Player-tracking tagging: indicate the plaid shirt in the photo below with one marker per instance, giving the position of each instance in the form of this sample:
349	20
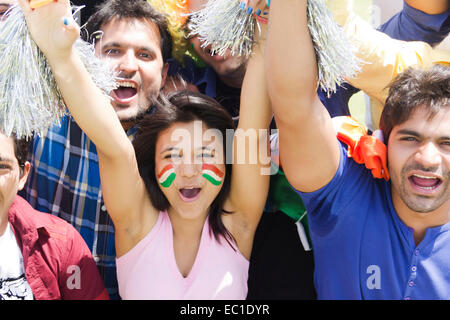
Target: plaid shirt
65	181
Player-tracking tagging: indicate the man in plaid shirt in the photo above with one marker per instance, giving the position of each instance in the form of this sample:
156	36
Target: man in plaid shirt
65	179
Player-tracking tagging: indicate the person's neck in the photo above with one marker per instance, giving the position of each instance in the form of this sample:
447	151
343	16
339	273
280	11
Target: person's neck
418	221
186	228
429	6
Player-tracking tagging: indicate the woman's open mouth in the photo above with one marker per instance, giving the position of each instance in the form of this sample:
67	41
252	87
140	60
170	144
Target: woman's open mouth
189	194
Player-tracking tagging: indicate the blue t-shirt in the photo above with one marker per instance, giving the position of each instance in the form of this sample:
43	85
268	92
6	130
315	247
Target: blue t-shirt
362	250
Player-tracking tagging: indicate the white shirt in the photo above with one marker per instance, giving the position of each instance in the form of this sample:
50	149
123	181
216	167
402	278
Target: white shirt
13	284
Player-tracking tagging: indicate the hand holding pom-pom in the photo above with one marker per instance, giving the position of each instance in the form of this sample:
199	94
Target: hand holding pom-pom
30	100
52	27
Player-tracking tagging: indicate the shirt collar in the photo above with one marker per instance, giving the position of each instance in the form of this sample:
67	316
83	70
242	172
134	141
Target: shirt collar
435	22
26	226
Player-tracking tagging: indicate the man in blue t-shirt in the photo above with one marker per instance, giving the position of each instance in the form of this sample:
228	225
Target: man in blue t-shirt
372	239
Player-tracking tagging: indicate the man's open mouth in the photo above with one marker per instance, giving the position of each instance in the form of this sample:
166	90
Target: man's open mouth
425	183
125	92
214	56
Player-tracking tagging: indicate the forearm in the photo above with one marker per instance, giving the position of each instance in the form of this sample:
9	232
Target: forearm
249	183
384	58
255	110
309	151
88	105
293	81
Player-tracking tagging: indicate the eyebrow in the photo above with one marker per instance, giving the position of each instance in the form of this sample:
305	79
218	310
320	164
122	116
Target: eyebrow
3	159
170	149
408	132
174	148
416	134
118	45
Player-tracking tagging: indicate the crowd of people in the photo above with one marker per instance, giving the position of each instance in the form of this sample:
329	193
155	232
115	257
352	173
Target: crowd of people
142	194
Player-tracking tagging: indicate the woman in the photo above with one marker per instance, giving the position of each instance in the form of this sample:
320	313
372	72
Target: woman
184	219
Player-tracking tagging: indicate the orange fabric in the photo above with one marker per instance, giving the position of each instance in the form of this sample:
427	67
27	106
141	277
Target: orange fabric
363	148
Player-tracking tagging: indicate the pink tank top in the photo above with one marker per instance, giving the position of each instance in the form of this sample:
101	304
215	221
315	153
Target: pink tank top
149	269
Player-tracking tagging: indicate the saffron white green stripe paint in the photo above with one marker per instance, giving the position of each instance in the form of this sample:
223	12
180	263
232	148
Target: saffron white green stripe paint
212	174
167	176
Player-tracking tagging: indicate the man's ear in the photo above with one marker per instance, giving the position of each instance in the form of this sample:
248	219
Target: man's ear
165	69
24	177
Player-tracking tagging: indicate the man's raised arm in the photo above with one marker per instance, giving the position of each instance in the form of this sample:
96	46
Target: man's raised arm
309	151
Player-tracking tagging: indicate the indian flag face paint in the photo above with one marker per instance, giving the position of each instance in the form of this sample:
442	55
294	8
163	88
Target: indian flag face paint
166	176
212	174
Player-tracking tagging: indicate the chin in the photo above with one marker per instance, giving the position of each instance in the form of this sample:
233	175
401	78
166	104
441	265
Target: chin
228	70
130	114
423	208
423	205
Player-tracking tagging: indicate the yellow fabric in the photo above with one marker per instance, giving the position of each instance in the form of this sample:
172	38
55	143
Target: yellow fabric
383	57
176	12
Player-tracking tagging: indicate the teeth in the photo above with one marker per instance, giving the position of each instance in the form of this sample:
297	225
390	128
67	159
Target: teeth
128	85
424	177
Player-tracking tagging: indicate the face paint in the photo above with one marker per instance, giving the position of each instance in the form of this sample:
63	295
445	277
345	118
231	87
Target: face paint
166	176
212	174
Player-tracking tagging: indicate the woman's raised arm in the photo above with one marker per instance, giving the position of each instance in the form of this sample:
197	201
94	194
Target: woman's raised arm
55	32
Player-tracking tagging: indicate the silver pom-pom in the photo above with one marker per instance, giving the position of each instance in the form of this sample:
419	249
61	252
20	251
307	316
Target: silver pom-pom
30	101
335	57
224	25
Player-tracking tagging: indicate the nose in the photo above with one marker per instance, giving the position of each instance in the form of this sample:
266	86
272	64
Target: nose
428	155
188	169
127	63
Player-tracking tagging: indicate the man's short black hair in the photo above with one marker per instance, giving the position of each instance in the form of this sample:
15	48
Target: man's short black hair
21	147
413	89
130	9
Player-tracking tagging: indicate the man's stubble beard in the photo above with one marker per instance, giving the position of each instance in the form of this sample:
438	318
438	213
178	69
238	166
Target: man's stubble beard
235	76
141	110
416	202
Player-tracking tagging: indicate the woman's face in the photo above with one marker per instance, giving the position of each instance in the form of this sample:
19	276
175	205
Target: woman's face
189	167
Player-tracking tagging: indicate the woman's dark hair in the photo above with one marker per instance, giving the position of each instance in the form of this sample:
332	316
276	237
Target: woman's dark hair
414	89
130	9
184	107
